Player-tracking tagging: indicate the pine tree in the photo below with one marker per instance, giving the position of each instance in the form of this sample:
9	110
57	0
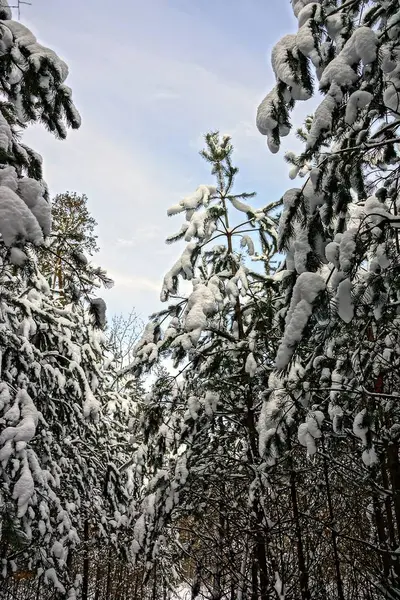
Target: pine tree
339	347
72	222
58	474
200	435
64	259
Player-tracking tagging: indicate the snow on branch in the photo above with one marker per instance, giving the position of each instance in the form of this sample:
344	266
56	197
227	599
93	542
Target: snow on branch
306	290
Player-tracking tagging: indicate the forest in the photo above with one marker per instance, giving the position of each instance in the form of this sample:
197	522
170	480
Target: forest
243	442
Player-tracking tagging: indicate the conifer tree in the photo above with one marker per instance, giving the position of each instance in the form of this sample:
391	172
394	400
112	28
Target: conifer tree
200	435
340	282
57	471
64	260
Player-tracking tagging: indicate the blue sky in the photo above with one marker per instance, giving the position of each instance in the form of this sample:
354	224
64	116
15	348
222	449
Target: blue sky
150	78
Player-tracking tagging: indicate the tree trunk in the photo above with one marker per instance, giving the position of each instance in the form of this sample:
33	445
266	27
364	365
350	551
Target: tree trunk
259	538
380	527
261	555
85	576
339	582
394	471
154	596
98	581
388	507
217	591
38	590
135	586
242	577
254	578
108	584
303	573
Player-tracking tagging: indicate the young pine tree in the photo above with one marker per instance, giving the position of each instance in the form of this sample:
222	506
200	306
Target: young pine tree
200	454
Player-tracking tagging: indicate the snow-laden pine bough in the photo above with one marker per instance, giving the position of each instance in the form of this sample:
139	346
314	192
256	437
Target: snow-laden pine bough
59	480
340	282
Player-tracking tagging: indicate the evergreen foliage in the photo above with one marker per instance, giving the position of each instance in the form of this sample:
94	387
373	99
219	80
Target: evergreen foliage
264	463
64	259
199	458
339	233
64	436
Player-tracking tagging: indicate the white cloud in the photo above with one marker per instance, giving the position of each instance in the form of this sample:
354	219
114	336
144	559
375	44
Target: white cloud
135	283
139	236
165	95
125	243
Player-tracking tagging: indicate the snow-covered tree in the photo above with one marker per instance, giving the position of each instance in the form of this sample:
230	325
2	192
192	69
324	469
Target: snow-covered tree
339	348
200	453
59	473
